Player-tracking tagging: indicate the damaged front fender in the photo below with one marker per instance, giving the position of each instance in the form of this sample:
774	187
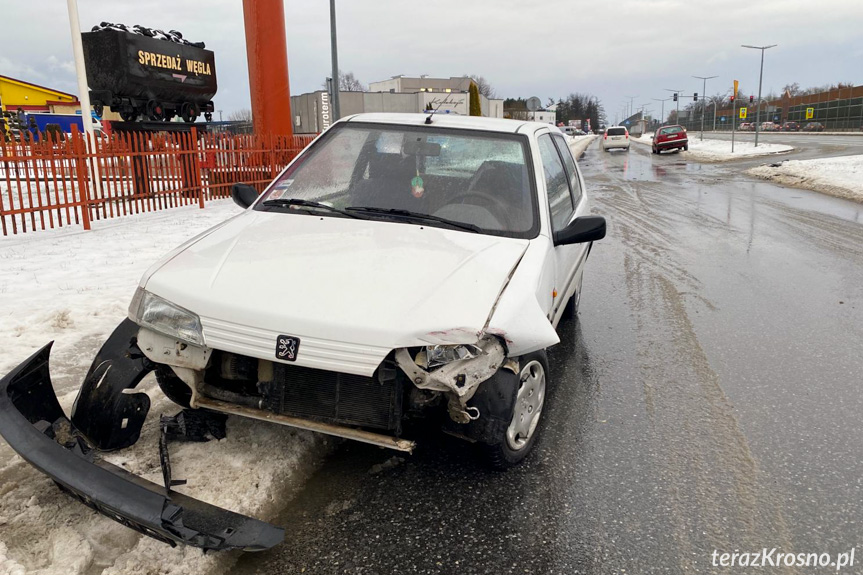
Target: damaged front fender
34	425
459	379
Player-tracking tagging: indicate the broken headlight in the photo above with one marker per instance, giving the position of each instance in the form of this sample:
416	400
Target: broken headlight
151	311
433	356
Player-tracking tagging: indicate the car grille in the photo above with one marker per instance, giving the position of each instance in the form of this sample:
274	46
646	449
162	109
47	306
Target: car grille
339	398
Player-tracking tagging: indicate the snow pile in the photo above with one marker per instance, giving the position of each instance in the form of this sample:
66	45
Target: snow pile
578	144
74	287
841	177
711	150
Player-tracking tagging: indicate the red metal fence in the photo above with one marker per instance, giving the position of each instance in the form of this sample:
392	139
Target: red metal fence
58	182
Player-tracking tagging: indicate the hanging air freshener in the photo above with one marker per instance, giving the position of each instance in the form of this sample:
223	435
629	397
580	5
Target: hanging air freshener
417	188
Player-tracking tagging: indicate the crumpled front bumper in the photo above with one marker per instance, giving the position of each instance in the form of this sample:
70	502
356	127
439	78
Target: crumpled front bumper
34	425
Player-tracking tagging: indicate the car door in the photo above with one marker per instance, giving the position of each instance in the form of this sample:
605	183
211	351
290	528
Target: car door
561	174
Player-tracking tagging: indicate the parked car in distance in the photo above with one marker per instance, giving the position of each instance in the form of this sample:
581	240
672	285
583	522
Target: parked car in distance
745	127
572	131
790	127
615	137
670	138
813	127
768	127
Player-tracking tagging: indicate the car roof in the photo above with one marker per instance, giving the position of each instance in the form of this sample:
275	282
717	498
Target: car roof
447	121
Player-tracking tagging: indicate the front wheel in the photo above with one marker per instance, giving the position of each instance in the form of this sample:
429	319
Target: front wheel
516	442
686	148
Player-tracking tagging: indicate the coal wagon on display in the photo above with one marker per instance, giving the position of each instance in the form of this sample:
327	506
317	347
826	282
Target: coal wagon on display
139	72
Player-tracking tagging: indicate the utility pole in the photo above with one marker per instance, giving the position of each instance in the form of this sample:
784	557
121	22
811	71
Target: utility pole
335	54
733	113
704	95
631	98
760	76
661	114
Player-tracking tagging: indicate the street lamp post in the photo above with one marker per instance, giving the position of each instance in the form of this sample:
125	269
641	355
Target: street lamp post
760	76
662	113
335	57
704	107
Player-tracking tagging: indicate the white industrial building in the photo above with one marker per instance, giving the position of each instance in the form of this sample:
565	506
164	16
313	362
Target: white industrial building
312	112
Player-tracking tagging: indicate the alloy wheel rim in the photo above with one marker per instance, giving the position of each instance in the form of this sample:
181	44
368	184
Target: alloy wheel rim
528	406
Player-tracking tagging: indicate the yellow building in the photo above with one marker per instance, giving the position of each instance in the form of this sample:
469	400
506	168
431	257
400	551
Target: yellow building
16	94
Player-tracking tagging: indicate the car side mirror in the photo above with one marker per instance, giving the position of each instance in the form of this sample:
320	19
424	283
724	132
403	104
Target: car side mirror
244	195
581	230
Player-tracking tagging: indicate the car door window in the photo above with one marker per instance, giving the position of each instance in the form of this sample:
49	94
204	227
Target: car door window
571	168
556	185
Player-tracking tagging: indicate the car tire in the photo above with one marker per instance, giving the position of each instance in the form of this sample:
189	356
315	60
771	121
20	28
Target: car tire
686	148
517	440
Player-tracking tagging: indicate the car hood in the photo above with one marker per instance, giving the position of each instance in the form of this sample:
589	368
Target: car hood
350	289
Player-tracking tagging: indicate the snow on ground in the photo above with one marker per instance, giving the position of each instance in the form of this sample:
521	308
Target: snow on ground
711	150
841	177
74	287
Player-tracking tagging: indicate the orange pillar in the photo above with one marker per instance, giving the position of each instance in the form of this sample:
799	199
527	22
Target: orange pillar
267	51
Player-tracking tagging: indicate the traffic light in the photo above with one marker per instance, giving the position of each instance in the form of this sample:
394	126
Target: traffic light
675	96
751	99
695	97
732	99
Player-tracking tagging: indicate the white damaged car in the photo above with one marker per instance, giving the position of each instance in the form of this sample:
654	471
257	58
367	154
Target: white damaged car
401	265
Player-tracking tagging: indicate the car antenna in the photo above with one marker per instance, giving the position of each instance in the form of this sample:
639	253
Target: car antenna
428	120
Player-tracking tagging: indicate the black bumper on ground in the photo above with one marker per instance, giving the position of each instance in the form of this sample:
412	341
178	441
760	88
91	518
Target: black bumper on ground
34	425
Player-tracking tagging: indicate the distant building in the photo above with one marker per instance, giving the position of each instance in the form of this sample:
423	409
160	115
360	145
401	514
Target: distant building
422	84
30	97
312	112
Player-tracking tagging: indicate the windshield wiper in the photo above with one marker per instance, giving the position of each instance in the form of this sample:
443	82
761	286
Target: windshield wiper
414	216
286	202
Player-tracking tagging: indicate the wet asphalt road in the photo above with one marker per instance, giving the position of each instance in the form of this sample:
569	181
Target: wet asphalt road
708	398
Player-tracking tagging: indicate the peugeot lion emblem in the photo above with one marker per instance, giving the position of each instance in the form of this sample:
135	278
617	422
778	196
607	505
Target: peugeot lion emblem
287	347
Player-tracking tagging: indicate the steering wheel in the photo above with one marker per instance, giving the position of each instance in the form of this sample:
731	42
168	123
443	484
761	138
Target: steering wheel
495	206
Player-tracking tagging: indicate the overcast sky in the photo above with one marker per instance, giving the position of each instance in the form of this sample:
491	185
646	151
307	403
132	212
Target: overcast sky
611	49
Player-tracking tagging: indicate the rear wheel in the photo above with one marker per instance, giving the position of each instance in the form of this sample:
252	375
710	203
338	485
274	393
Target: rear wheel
686	148
155	111
128	114
517	441
189	112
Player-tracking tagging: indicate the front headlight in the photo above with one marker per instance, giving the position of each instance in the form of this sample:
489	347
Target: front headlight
433	356
151	311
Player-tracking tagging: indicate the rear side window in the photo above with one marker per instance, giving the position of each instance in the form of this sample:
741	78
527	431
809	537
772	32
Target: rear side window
616	131
556	184
671	130
571	170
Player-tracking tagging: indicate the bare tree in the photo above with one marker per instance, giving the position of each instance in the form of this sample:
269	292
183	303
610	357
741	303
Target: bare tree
484	86
348	83
243	115
792	89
